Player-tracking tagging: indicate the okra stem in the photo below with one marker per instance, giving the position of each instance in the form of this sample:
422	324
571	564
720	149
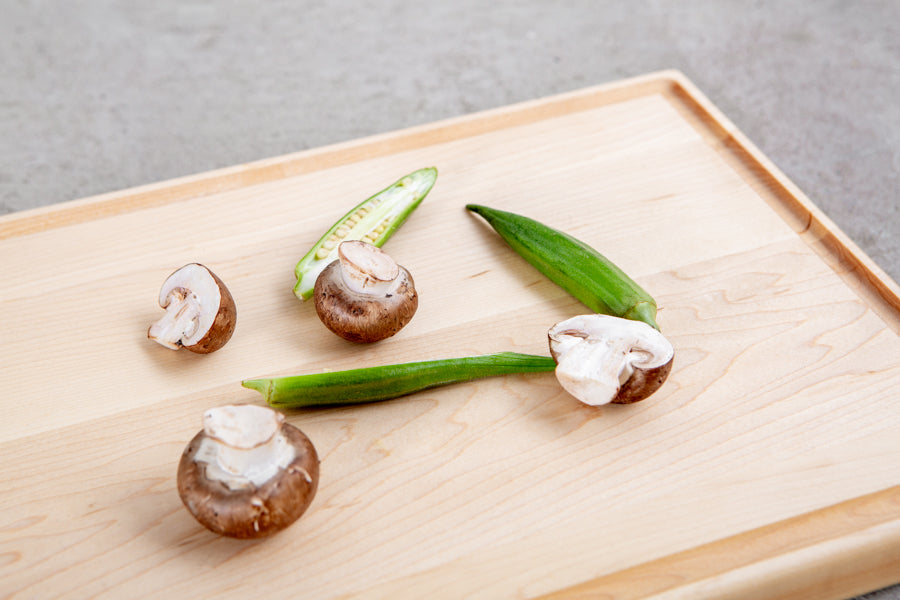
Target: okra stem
372	384
573	265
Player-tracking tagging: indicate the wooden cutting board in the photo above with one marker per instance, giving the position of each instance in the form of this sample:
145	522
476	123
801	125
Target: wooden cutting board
765	468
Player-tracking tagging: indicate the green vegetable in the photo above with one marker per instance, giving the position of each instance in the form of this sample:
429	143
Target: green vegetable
373	220
573	265
372	384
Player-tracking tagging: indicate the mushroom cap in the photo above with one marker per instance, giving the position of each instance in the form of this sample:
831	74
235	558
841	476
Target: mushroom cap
365	296
254	505
602	359
200	311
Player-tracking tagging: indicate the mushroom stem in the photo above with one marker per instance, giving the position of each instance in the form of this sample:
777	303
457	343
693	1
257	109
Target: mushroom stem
180	321
594	373
366	269
244	446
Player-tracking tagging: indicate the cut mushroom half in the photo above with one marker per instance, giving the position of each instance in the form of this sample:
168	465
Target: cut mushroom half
602	359
200	312
365	296
247	473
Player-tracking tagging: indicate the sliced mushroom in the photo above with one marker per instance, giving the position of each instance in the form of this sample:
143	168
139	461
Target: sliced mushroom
365	296
200	312
602	359
247	473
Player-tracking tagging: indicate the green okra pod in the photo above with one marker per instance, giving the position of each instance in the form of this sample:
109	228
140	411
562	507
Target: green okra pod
373	220
372	384
573	265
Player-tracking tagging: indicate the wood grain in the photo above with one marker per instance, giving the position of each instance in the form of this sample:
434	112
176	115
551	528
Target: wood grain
774	441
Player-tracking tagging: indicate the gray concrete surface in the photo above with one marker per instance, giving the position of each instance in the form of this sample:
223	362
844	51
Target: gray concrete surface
102	95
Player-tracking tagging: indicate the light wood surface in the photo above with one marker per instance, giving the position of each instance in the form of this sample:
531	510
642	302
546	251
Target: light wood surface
766	465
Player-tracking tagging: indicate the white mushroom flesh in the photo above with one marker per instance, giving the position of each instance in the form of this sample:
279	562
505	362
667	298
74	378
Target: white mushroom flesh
244	445
191	298
597	354
366	269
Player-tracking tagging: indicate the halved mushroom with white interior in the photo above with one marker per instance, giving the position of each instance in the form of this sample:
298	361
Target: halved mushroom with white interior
365	296
200	312
602	359
247	473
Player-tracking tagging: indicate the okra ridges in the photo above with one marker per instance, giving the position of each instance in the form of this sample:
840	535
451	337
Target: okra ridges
573	265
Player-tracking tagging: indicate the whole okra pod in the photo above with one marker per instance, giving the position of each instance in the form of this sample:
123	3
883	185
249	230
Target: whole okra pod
372	384
573	265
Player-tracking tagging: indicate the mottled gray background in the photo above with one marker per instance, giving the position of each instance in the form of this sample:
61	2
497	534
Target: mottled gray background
97	96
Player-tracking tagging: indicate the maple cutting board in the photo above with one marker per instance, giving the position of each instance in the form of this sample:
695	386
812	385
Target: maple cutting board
766	467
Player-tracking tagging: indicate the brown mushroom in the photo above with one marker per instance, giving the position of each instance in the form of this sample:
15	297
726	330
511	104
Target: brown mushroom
247	473
200	312
365	296
602	359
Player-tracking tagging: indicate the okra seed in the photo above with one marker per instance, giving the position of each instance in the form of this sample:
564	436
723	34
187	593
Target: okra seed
328	244
321	253
342	231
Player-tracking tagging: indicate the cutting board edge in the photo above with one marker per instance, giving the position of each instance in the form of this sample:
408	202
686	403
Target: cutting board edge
816	229
332	155
811	224
856	541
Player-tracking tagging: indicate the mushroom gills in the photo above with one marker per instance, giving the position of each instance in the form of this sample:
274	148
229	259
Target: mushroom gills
200	312
602	359
181	321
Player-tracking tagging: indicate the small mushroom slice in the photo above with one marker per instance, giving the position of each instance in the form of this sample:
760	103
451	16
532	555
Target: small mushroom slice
365	296
247	473
602	359
200	312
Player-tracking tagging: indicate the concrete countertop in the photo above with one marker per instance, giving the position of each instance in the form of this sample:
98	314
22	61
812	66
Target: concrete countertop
103	95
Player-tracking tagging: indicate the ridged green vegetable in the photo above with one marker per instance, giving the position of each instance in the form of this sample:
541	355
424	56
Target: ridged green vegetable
372	384
573	265
373	220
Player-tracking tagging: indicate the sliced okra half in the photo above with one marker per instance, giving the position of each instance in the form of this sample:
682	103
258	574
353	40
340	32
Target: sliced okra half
373	220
